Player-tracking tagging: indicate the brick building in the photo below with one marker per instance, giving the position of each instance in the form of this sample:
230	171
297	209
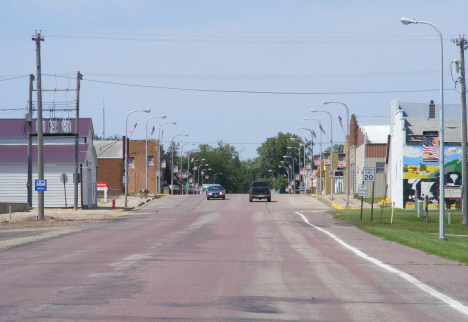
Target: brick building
111	163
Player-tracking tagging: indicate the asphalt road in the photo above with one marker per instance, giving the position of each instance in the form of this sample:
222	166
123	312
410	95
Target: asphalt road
189	259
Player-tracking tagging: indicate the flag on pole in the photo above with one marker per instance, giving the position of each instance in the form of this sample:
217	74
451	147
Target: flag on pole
284	174
341	120
273	179
195	168
177	146
202	172
299	149
306	140
207	177
152	131
133	128
313	133
290	167
321	128
192	160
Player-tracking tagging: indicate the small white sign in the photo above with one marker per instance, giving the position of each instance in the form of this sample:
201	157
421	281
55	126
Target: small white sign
369	174
362	190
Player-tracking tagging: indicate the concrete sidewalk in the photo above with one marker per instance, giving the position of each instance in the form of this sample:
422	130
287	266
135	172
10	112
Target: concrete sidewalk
104	210
339	201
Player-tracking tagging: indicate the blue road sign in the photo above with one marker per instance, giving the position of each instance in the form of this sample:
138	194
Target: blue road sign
40	185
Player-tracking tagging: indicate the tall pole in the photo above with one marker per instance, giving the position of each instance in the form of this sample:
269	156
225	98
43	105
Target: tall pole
158	188
146	145
30	150
40	137
77	141
407	21
347	150
462	42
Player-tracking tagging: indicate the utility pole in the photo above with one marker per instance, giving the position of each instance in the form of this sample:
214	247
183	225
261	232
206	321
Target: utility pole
77	138
461	42
40	138
103	121
30	151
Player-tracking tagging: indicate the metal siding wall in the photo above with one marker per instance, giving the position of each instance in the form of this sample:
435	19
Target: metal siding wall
13	179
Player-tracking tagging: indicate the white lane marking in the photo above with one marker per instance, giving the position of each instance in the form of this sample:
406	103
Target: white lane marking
446	299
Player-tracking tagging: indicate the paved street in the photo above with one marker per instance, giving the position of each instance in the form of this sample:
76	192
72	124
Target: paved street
184	258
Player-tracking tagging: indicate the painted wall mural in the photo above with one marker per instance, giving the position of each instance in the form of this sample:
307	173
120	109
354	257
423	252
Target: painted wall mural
422	176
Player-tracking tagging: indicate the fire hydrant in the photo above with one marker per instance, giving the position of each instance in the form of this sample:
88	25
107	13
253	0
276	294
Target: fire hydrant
113	204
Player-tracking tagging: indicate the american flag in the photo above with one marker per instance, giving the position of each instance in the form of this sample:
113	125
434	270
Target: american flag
313	133
192	160
202	172
195	168
273	179
284	174
341	120
290	167
133	128
306	140
177	146
321	128
152	131
207	177
162	134
430	147
299	149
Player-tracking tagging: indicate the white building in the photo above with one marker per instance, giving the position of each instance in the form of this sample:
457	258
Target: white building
59	158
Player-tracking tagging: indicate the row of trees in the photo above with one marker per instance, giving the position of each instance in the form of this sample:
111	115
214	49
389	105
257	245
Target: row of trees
237	175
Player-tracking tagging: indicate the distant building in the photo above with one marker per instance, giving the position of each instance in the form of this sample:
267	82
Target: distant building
368	148
413	167
110	155
59	158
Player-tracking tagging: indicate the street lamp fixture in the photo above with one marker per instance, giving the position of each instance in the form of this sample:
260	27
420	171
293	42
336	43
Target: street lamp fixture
407	21
126	150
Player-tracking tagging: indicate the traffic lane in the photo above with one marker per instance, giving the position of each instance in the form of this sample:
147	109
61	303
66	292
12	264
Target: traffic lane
286	275
446	276
35	275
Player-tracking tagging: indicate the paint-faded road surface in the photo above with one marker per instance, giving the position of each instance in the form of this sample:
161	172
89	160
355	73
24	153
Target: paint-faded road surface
189	259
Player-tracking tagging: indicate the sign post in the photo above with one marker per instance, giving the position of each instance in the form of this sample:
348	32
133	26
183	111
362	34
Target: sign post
369	176
64	179
362	192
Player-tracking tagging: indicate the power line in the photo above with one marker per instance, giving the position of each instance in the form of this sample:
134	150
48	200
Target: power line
259	92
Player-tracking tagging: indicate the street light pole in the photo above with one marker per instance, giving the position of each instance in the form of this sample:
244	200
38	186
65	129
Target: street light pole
311	153
158	188
331	149
172	161
320	157
347	150
181	147
126	150
407	21
146	133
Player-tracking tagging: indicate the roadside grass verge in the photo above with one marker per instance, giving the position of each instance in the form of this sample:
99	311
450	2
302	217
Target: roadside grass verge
407	229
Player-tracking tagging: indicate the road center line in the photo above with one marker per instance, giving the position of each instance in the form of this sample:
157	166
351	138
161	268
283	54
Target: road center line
446	299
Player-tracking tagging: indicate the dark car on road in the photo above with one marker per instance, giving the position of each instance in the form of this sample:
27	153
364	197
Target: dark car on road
215	191
259	190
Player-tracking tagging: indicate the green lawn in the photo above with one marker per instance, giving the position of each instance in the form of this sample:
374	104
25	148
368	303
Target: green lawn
409	230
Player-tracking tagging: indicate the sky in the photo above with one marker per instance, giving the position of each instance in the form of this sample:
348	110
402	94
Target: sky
237	71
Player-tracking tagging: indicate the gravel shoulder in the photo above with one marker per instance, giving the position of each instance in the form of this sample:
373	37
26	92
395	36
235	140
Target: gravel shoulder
24	228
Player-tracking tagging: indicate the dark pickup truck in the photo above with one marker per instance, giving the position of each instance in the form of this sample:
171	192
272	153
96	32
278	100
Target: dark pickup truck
259	190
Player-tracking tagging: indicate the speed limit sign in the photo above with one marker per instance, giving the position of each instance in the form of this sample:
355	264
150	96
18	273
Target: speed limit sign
369	174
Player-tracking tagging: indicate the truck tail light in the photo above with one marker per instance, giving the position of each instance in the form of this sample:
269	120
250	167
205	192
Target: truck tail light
269	191
251	191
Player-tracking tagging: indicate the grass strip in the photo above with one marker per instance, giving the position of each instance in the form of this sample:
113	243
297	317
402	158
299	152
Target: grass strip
407	229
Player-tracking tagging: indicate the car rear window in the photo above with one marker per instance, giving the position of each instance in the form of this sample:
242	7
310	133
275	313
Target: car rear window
260	184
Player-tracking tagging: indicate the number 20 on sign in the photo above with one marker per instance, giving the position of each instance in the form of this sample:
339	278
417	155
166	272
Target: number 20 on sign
369	174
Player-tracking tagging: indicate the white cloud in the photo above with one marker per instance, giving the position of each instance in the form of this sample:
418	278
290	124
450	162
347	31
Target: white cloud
452	151
411	152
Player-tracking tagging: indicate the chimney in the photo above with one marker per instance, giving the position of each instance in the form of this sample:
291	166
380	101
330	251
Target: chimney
432	110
